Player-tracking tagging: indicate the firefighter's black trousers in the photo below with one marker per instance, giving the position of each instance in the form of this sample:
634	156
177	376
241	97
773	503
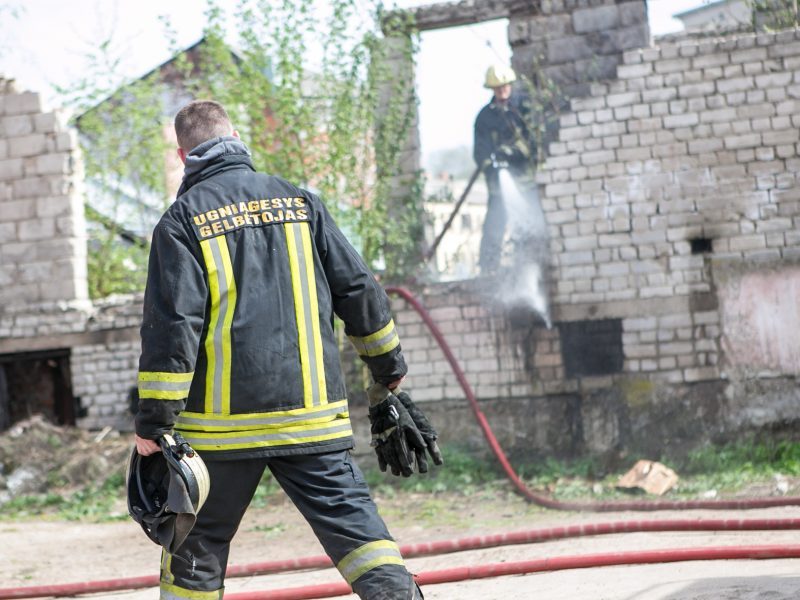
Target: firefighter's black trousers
330	492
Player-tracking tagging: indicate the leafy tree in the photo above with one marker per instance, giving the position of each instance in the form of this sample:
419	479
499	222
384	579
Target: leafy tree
123	145
774	14
303	84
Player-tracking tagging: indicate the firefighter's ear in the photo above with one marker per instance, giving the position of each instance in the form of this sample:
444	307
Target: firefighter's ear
182	154
236	134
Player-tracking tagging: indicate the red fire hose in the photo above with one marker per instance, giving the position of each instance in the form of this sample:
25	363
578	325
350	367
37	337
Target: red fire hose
541	500
422	549
524	537
558	563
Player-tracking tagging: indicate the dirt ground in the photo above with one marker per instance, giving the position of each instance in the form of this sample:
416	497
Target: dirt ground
37	553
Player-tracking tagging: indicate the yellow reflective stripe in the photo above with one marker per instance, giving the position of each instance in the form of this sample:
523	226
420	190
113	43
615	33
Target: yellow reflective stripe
314	312
299	311
274	420
304	291
367	557
226	326
380	333
296	435
380	342
384	348
170	591
163	394
165	377
164	386
211	355
369	565
166	567
222	289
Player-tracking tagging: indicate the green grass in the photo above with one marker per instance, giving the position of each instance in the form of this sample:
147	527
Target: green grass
748	456
461	472
727	469
270	530
93	504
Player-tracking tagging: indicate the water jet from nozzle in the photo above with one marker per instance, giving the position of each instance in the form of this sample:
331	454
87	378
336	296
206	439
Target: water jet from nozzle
524	281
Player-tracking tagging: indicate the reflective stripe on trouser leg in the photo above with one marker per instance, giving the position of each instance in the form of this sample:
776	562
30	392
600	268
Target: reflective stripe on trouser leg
174	592
330	492
198	566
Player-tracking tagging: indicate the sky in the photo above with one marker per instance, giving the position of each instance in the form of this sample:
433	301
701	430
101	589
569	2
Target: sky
45	42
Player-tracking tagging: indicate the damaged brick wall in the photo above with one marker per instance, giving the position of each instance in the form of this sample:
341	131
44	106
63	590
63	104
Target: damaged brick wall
42	231
673	203
44	303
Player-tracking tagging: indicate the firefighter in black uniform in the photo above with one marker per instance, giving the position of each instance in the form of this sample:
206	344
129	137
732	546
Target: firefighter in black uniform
502	140
239	356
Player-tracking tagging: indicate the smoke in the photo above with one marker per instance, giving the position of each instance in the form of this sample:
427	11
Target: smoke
523	283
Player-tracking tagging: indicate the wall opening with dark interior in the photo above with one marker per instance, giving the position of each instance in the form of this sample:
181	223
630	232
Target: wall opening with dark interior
36	383
591	348
701	245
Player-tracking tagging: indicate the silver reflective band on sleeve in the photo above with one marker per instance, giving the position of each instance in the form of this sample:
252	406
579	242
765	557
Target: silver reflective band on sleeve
375	344
157	385
368	557
165	386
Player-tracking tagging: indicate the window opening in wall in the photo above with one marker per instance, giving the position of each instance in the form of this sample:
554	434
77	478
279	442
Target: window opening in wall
591	347
34	383
450	99
701	245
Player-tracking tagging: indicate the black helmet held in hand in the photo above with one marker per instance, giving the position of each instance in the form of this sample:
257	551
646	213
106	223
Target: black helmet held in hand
166	490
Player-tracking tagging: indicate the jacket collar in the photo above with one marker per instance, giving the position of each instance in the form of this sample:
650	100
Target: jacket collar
213	156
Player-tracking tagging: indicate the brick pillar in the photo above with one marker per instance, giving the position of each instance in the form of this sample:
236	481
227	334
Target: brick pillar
42	227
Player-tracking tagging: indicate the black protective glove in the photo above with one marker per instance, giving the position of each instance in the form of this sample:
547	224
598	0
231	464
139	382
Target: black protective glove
505	152
425	428
395	437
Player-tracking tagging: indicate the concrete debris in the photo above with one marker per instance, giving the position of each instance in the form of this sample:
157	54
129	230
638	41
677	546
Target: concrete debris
37	456
651	476
25	480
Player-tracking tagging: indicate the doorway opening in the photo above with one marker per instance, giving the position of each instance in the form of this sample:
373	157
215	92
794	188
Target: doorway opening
36	383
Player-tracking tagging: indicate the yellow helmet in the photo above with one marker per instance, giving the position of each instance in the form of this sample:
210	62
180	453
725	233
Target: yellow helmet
498	75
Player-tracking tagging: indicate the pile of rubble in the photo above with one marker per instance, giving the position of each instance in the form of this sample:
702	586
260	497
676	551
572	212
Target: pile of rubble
37	456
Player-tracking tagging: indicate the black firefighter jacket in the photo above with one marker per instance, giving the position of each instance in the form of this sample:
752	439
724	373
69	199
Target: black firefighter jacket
238	346
501	129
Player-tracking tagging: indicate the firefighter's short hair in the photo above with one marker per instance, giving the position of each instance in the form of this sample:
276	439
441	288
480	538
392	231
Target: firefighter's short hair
199	121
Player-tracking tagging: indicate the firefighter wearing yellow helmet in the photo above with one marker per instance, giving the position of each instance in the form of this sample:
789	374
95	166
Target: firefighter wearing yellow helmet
502	139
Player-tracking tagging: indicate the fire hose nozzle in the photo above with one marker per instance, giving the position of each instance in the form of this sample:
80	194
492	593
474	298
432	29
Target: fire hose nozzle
498	163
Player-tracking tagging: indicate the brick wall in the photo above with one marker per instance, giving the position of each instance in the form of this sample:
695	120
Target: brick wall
672	202
576	41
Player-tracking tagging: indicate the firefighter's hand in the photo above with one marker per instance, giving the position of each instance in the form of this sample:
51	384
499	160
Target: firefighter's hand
505	152
425	428
146	447
395	437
